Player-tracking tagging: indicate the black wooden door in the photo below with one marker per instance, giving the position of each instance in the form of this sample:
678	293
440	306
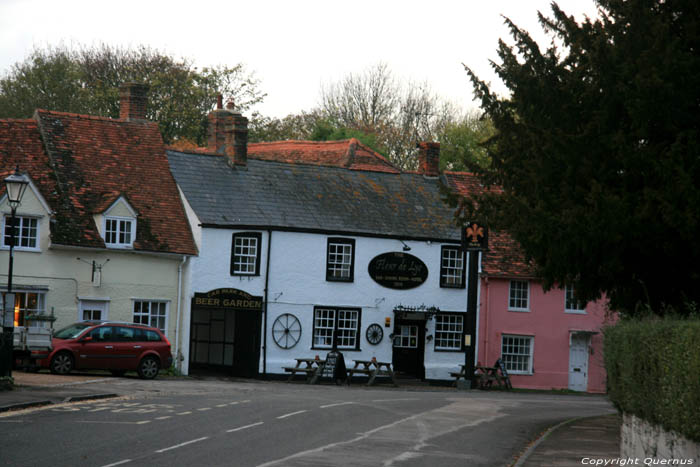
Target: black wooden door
409	348
246	357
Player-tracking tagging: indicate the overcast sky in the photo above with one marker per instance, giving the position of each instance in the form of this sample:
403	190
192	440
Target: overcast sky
293	46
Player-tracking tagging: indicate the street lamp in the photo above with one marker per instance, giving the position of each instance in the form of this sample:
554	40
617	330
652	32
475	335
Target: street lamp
15	185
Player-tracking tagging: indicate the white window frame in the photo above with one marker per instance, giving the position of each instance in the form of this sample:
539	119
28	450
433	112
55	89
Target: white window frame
41	302
508	362
452	267
449	329
149	314
237	266
579	308
512	296
18	234
328	320
93	304
340	259
119	220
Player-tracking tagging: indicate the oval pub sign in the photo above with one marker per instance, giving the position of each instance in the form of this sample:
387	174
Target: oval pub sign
397	270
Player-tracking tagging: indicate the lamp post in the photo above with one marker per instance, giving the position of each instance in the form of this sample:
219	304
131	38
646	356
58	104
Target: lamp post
15	186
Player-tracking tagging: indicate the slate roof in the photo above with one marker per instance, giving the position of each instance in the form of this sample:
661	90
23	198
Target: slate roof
504	258
307	197
81	164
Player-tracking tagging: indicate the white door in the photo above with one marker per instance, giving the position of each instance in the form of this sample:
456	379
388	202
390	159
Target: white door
578	362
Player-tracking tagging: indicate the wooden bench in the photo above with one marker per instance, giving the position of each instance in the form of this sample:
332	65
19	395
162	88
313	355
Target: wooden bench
312	370
372	369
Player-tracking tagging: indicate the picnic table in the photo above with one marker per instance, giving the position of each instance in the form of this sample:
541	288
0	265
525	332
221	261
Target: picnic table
311	368
487	375
372	369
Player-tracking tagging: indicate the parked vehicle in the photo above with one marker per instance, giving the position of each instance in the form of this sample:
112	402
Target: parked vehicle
115	346
30	344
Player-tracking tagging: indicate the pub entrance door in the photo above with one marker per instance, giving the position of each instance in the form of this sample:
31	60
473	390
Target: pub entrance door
409	348
225	333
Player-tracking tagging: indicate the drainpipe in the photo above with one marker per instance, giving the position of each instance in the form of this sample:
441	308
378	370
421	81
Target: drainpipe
179	311
267	282
486	321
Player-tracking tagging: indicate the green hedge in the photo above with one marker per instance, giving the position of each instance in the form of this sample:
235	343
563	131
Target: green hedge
653	367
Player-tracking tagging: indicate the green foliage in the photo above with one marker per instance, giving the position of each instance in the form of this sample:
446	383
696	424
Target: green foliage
596	150
462	143
653	366
324	130
87	80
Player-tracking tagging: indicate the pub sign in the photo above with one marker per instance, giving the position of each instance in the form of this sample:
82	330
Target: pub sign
397	270
227	298
474	237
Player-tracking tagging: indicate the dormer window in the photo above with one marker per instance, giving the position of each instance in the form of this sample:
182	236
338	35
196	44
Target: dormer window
120	232
119	224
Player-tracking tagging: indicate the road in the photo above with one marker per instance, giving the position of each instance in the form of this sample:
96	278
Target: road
213	422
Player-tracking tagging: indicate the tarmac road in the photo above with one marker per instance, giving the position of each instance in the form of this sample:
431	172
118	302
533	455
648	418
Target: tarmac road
211	422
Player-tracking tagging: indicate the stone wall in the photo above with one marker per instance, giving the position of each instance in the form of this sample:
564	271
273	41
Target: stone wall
642	440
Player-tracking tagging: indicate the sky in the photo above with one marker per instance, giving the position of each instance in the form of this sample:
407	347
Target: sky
294	47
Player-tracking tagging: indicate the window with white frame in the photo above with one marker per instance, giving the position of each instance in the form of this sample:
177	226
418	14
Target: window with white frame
245	254
516	353
452	267
120	232
571	304
27	304
518	297
448	332
340	259
342	322
151	313
26	230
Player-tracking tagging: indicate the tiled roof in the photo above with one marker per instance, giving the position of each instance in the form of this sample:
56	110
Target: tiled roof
291	196
85	163
348	153
504	257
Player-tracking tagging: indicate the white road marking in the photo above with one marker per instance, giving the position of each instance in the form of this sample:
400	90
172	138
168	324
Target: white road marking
336	405
233	403
182	444
184	413
113	423
143	422
243	427
243	402
118	463
290	414
394	400
204	408
164	417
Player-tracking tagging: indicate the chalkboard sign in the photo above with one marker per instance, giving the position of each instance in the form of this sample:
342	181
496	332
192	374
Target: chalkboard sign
335	367
501	366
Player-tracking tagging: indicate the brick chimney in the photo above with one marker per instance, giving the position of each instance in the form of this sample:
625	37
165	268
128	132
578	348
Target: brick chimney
428	159
227	133
132	101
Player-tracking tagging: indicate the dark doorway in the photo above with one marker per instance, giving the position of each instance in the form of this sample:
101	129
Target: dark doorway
409	348
225	333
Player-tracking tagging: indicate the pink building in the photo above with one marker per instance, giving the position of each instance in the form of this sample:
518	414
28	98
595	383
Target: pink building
547	340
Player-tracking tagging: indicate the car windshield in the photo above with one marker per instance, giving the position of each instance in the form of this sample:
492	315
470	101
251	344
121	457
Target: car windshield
72	331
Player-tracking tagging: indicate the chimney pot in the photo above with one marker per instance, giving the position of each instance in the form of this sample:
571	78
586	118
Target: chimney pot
219	102
429	158
132	101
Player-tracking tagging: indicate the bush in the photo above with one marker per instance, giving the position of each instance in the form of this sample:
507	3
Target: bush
653	367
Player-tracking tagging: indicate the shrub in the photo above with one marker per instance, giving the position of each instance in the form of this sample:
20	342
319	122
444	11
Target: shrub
653	367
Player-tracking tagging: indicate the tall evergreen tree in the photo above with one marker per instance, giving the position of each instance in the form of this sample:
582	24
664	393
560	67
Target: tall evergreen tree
597	151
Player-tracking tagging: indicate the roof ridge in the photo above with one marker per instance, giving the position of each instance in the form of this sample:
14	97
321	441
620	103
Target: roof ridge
91	117
18	120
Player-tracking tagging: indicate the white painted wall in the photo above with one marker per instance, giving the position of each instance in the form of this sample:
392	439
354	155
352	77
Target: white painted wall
128	275
297	283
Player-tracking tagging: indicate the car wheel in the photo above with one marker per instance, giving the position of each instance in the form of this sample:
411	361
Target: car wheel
148	368
117	372
61	363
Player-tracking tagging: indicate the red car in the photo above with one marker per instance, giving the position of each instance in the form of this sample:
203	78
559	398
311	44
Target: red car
105	345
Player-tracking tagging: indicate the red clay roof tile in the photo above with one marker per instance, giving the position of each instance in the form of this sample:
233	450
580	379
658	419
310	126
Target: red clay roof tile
85	163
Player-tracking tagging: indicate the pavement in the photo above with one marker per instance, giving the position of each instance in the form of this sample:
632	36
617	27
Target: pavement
575	442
